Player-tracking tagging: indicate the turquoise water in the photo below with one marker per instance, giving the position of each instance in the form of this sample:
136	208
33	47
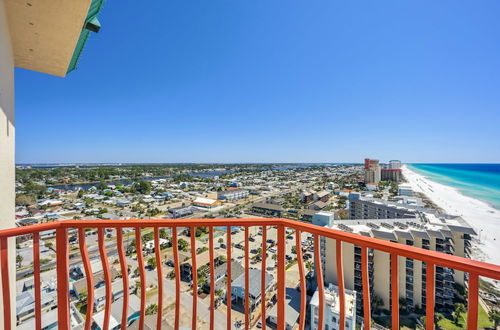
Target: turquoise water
480	181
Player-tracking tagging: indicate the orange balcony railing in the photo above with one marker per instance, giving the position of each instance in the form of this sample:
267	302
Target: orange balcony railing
431	258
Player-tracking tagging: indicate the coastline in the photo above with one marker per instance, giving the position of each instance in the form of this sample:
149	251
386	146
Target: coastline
481	216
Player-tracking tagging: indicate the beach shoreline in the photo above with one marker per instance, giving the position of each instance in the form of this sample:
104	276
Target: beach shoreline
481	216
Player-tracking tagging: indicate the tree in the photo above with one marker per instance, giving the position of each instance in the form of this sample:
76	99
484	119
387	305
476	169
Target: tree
457	312
25	200
163	233
143	187
152	263
102	185
182	244
494	316
19	260
309	265
152	309
147	237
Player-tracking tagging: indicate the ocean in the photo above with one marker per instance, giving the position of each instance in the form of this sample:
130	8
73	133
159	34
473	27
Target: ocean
480	181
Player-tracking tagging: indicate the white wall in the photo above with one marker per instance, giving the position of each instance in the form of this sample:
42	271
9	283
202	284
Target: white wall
7	165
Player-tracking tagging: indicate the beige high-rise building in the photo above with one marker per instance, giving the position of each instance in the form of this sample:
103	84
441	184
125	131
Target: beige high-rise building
372	171
429	231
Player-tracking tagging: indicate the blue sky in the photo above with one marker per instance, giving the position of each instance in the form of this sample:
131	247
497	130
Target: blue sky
273	81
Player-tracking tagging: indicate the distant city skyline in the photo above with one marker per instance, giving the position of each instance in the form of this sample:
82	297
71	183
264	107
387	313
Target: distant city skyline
272	82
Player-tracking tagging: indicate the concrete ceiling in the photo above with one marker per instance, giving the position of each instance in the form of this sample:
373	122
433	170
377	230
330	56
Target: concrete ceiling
45	32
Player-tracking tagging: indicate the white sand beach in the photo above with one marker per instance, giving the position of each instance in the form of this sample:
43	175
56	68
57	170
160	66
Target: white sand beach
482	217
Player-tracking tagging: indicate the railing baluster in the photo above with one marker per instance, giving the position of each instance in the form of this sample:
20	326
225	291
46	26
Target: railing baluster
320	282
340	280
228	271
177	272
62	278
194	275
89	277
281	277
429	297
4	255
395	291
472	303
366	288
124	270
302	278
142	276
159	272
247	281
36	277
212	275
107	277
263	277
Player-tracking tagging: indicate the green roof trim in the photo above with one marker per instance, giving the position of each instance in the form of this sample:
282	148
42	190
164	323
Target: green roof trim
94	9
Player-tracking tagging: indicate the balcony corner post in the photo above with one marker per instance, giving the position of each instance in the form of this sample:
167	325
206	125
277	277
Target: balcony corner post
62	278
281	277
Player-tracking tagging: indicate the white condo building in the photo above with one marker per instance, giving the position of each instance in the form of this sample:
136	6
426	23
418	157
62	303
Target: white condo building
332	309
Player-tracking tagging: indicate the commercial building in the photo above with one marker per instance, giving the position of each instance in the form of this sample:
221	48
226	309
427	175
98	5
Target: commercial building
206	203
268	209
232	194
332	308
428	230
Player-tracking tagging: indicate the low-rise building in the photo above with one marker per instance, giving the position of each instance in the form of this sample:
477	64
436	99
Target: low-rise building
254	295
220	274
134	308
292	310
317	206
202	259
232	194
323	196
206	203
307	197
405	190
268	209
180	212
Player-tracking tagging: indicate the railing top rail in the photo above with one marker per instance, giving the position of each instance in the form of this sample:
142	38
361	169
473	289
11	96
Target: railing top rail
438	258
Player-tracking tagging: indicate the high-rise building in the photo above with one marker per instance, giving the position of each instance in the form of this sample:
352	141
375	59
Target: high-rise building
374	208
388	174
429	231
394	164
332	309
372	171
